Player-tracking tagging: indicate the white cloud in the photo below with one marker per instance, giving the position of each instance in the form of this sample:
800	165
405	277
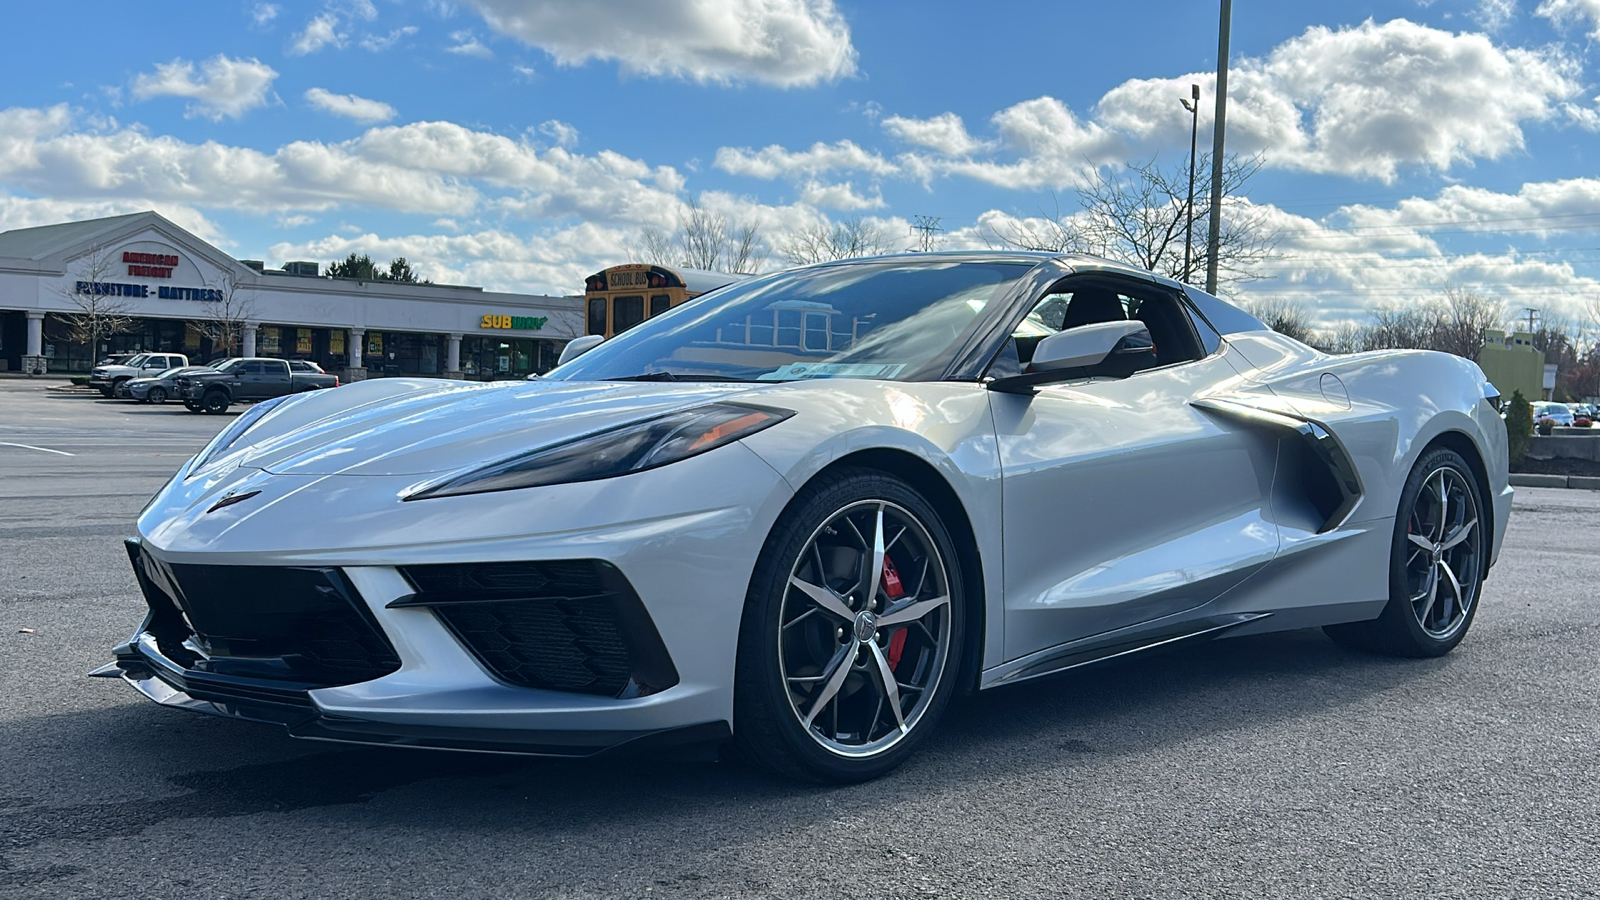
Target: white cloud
350	106
788	43
263	14
944	133
774	161
226	87
322	31
467	44
29	212
563	134
379	44
838	196
1371	101
1495	15
1564	12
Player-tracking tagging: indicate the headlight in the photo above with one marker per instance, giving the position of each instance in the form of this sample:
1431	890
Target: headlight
634	447
230	435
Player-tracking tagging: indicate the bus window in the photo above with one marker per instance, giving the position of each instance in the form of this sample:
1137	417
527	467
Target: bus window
626	312
667	287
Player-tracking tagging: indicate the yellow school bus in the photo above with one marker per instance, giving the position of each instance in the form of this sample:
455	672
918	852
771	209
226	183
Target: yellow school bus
623	296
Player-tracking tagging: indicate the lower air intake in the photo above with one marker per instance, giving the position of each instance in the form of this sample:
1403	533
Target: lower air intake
562	625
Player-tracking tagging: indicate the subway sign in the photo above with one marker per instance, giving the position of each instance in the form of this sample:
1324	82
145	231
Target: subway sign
513	323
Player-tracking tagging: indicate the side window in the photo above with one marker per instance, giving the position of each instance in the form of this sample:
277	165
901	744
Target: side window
1078	302
597	315
255	367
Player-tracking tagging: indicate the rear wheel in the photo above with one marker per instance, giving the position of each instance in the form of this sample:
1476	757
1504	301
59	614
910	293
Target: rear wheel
851	632
215	403
1438	560
156	395
191	406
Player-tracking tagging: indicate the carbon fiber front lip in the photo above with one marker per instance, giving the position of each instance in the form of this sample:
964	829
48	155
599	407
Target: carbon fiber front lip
141	665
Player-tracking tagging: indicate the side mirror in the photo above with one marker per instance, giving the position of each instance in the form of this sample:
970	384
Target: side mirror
578	347
1105	349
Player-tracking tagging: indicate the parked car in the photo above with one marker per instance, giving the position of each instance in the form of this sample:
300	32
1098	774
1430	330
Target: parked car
246	379
990	467
108	378
158	388
1547	414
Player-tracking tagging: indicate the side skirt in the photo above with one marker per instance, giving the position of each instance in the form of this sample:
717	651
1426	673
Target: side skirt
1103	647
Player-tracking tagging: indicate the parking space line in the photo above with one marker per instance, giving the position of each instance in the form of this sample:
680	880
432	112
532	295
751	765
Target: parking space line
40	449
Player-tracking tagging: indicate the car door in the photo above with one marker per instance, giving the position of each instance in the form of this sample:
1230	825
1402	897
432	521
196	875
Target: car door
1122	504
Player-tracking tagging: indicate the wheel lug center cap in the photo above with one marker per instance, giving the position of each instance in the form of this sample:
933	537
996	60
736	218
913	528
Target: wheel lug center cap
866	626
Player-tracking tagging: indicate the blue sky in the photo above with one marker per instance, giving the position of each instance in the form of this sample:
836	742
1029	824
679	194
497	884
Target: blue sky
1408	146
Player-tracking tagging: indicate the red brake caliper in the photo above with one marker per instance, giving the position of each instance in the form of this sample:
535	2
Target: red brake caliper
895	590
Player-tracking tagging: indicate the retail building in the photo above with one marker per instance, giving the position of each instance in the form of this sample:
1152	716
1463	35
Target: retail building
170	291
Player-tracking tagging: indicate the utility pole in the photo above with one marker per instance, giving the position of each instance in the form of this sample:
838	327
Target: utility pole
928	226
1194	132
1218	135
1532	312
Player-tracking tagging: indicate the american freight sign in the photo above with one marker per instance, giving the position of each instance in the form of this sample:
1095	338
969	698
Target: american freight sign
150	265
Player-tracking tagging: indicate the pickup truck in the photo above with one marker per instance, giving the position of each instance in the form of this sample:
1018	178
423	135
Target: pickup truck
248	379
108	377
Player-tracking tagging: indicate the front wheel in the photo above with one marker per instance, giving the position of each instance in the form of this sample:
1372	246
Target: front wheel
156	395
1438	560
852	631
215	403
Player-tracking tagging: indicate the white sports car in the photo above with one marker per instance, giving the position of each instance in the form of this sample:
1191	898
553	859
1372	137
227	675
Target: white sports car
804	510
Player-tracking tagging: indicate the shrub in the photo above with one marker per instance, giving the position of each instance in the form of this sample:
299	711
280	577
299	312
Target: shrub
1519	427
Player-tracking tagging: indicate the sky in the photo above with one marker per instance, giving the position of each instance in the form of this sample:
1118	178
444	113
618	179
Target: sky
1407	146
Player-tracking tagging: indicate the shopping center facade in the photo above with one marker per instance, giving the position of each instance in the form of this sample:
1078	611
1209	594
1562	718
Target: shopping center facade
170	291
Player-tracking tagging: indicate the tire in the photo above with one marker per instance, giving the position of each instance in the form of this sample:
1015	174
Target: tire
156	395
1438	559
191	406
215	403
812	687
106	392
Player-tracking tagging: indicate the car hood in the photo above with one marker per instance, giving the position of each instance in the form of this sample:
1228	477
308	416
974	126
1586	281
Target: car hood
426	427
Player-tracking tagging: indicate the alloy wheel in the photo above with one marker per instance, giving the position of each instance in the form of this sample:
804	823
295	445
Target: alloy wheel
157	395
865	628
1445	553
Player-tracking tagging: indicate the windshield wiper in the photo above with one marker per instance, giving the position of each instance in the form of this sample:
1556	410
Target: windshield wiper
668	376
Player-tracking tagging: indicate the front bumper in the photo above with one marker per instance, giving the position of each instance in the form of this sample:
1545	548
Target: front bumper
686	549
141	664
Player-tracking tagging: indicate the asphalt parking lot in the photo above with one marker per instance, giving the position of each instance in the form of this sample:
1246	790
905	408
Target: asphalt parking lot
1274	766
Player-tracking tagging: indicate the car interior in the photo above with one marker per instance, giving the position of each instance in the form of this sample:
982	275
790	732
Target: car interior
1077	302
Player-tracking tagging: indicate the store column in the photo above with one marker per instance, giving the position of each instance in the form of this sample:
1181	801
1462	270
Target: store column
33	362
250	338
358	343
452	357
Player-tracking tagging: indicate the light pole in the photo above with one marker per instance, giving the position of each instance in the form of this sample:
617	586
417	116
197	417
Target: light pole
1194	132
1219	130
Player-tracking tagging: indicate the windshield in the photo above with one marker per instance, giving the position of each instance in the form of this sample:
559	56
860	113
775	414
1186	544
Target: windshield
136	361
172	372
227	364
900	320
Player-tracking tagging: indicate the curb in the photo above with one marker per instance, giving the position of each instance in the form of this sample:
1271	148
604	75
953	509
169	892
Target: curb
1578	482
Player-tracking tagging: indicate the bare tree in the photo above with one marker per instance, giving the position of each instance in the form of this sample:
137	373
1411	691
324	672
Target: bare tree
1139	215
848	239
704	239
1461	318
1285	316
223	317
102	311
